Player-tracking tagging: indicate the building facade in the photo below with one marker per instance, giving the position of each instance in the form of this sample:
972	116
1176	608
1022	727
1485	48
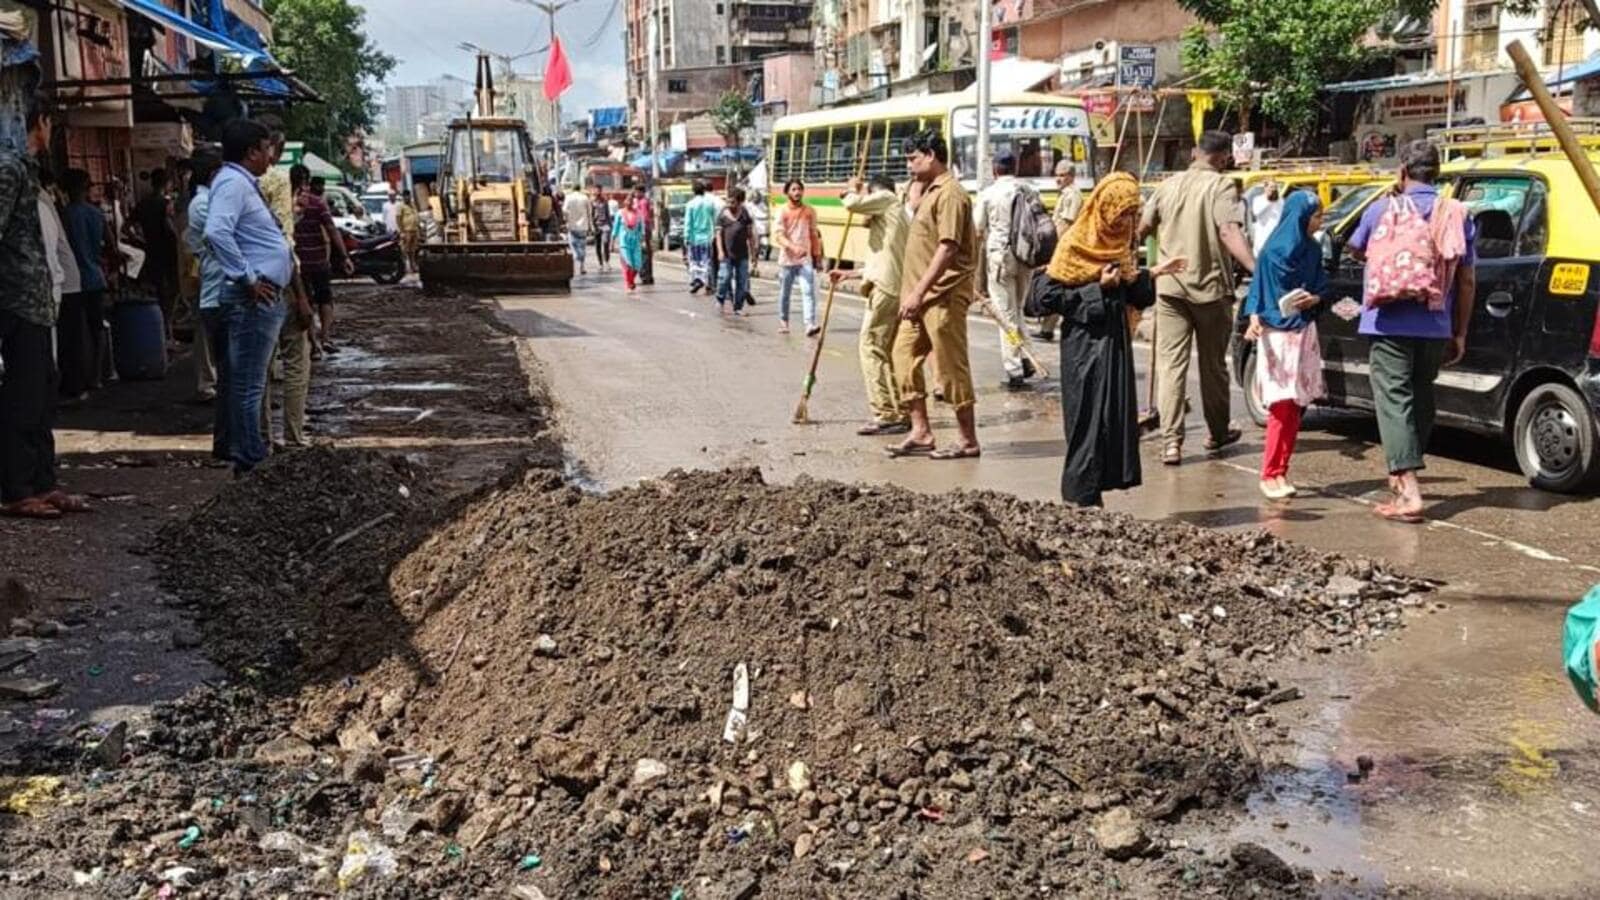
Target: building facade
410	110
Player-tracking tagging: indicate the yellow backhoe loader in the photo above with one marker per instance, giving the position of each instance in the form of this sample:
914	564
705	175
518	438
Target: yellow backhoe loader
490	200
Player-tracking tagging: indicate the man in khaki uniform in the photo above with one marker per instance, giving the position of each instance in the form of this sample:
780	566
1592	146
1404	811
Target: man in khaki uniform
1007	277
888	219
1068	204
1197	215
941	262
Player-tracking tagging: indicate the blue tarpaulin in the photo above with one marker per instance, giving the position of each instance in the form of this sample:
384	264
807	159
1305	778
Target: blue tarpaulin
608	117
668	160
207	37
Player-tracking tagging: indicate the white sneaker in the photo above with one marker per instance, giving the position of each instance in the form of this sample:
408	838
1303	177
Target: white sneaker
1273	489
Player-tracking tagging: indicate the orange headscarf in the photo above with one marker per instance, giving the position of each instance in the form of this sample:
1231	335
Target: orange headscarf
1100	235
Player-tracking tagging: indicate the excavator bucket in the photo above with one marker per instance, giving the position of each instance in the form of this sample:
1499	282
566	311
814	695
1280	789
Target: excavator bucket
542	267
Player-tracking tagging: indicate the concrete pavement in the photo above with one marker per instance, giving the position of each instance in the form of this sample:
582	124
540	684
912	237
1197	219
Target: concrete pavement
1487	780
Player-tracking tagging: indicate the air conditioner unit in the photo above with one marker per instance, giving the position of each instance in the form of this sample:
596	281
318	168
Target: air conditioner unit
1483	17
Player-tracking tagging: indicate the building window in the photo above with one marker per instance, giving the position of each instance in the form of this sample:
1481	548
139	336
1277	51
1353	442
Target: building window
719	10
722	55
677	85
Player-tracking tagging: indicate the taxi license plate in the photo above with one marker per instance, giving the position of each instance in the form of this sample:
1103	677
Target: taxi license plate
1569	279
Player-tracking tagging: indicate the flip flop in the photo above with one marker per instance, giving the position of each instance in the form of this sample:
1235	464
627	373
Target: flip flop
1172	455
1388	511
877	428
896	451
65	502
957	453
31	508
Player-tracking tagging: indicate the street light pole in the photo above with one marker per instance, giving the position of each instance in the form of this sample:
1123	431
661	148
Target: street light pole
985	37
655	95
550	8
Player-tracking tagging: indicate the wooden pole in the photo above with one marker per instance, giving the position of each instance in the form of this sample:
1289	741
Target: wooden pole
1557	120
1155	135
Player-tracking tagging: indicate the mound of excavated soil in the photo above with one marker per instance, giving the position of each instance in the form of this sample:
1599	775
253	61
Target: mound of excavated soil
958	695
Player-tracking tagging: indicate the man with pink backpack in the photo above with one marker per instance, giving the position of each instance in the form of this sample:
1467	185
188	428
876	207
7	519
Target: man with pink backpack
1419	288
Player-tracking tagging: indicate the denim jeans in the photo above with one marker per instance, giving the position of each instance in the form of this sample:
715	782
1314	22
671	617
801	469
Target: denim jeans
252	339
734	275
808	291
579	242
214	324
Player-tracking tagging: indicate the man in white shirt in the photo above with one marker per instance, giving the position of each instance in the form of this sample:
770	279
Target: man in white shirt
578	213
1265	211
1007	276
391	213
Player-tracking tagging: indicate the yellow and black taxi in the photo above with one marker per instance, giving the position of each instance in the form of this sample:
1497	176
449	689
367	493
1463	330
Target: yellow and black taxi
1531	376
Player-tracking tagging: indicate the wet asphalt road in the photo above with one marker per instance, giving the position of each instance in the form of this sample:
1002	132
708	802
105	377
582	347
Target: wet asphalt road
1487	781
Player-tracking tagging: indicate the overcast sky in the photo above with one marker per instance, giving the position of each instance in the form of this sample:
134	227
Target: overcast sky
422	35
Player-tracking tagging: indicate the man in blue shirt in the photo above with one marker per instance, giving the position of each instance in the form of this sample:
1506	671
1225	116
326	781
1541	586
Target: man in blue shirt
80	335
1409	342
257	268
211	337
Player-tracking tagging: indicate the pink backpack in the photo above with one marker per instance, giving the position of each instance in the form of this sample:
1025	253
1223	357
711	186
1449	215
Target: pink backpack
1409	258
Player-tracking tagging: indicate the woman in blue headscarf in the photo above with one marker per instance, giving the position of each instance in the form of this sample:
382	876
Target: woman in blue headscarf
1284	297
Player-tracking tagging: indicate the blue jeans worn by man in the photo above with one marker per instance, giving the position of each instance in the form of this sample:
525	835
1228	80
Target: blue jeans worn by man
787	275
734	275
252	338
580	244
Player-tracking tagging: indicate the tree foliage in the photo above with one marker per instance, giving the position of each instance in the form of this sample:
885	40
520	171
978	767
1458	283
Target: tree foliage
324	43
731	115
1278	55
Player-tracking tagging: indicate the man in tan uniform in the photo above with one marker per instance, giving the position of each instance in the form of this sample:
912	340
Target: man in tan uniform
938	284
1197	215
887	219
1068	204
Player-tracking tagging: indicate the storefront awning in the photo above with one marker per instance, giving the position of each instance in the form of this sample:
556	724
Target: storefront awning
1420	79
212	40
1563	77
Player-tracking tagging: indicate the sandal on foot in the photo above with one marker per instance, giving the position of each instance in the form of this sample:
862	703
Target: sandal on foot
876	428
1172	454
31	508
1213	444
896	451
1395	514
65	502
957	453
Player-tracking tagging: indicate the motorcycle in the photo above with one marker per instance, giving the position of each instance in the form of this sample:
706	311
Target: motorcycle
378	256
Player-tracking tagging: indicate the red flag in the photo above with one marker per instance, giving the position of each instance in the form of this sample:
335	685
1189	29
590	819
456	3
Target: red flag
557	74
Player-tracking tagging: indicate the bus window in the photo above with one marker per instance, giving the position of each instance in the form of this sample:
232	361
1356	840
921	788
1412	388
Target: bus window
816	167
781	156
895	163
841	154
1036	155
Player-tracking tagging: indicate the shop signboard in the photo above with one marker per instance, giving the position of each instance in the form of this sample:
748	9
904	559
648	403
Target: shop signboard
1136	69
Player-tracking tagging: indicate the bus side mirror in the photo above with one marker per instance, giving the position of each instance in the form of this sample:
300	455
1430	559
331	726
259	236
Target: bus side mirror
1325	241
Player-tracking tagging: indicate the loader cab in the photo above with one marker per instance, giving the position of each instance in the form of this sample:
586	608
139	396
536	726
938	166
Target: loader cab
489	183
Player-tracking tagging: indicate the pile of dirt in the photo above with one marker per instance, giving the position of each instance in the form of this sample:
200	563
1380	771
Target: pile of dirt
285	569
704	684
968	693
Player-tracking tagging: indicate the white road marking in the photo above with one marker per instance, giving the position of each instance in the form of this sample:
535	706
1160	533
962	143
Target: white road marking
1515	546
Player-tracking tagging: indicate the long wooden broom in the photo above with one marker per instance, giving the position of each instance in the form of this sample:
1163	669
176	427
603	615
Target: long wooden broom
801	416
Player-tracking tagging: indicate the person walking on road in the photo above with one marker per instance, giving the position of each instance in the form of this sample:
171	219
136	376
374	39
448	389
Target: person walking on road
600	227
410	222
888	218
1289	273
736	246
627	233
28	487
799	256
391	213
316	244
938	285
699	222
1092	278
1006	275
258	268
1196	215
1411	339
646	209
575	209
1069	203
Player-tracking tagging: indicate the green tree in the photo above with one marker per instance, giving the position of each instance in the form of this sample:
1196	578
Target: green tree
1278	55
731	115
324	43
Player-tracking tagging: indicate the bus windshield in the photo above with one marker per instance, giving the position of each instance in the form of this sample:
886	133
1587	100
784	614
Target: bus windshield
1038	136
489	154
